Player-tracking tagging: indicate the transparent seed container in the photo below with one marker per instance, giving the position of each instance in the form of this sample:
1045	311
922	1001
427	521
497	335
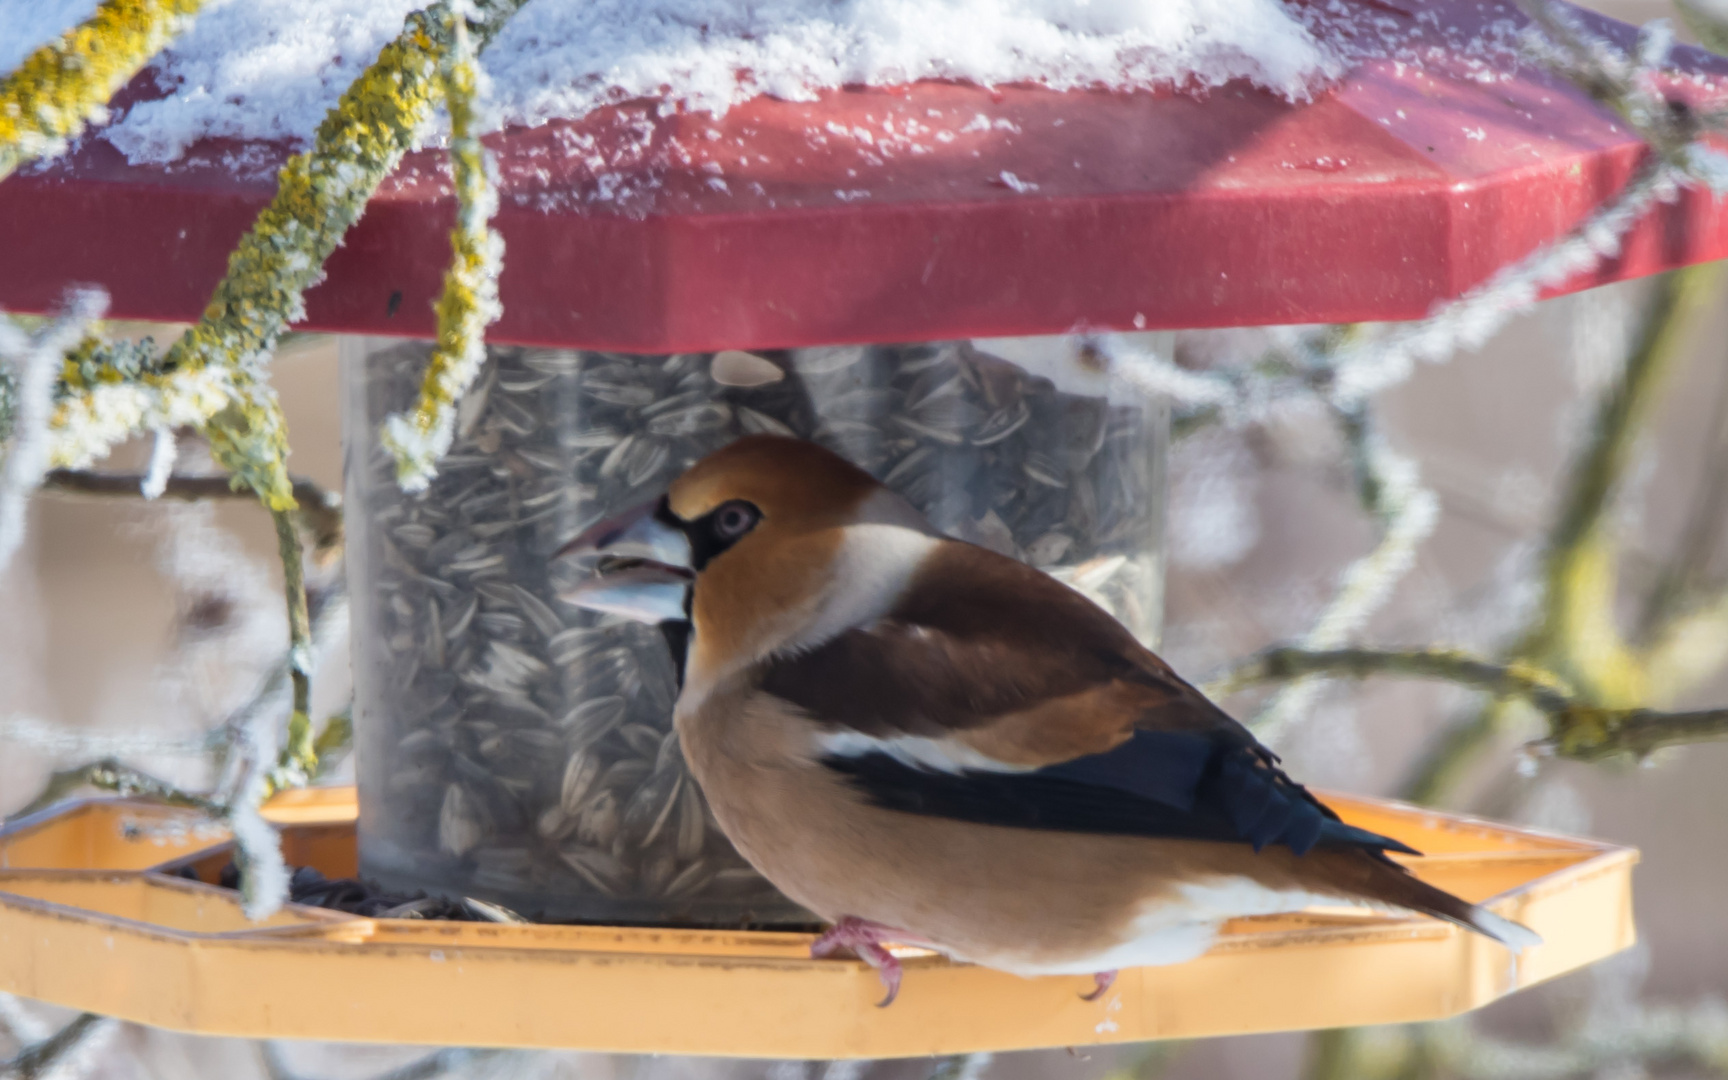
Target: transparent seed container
516	749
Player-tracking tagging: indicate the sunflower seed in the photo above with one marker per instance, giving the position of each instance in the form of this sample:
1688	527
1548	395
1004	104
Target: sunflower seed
459	828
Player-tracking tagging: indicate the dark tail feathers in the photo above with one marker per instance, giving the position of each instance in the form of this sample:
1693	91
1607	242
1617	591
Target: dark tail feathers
1395	885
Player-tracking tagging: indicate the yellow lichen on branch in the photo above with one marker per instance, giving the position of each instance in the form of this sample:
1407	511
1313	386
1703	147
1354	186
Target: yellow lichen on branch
212	377
66	83
469	302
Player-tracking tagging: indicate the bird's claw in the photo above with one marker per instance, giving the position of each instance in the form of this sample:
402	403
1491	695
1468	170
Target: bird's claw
1104	980
864	938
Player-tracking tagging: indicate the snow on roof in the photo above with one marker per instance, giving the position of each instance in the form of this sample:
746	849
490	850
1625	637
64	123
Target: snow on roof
269	69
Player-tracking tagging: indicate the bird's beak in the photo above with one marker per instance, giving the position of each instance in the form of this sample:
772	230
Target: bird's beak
644	573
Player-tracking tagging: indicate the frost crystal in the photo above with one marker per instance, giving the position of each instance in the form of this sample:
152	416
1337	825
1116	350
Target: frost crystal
36	362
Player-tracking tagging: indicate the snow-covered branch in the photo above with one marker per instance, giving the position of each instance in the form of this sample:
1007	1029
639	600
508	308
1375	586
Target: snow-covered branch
469	302
66	83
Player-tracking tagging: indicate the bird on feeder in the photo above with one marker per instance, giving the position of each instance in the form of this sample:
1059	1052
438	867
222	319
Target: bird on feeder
929	743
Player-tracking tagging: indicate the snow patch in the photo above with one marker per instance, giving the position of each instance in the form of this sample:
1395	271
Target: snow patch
269	69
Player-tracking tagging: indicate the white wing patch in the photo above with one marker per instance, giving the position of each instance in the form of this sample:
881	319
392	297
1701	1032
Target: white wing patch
937	755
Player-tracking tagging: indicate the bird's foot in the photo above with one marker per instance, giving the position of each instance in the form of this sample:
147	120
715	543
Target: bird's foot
1103	980
864	938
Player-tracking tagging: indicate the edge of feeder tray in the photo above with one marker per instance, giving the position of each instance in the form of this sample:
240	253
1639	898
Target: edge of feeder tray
92	917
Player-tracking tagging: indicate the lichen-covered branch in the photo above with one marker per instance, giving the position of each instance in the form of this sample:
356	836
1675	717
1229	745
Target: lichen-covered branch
1574	633
1577	633
66	83
1587	733
469	302
297	755
1673	595
212	377
1578	728
111	775
319	510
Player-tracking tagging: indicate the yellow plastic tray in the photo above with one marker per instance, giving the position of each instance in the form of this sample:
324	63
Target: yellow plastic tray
85	921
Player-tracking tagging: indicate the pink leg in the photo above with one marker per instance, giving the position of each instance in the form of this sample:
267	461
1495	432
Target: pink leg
865	939
1104	980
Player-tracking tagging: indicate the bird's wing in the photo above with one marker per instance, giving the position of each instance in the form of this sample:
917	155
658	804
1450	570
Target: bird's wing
992	693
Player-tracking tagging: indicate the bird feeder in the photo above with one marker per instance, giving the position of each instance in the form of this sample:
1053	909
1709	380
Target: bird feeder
107	906
879	269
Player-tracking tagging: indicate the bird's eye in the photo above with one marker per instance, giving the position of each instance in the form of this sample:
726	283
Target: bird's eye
734	520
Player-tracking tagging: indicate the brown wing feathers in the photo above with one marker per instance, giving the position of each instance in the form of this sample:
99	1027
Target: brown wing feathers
1096	734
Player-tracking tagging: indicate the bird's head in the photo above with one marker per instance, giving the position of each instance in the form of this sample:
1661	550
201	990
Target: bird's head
767	544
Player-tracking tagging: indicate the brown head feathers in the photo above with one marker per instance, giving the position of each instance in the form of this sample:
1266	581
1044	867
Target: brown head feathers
790	481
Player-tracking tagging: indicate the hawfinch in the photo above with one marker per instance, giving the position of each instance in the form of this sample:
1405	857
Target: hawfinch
926	742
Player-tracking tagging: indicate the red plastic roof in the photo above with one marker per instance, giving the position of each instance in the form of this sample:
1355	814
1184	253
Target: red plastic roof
931	211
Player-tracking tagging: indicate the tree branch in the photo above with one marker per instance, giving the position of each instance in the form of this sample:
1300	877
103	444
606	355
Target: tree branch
1389	487
1686	570
320	511
1577	728
1574	633
39	1059
1451	665
1592	734
110	775
298	761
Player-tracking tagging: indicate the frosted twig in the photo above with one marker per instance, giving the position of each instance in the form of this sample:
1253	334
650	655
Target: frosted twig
1391	489
161	467
1369	367
469	302
20	1024
258	850
1157	376
49	1057
1629	85
37	360
1248	394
